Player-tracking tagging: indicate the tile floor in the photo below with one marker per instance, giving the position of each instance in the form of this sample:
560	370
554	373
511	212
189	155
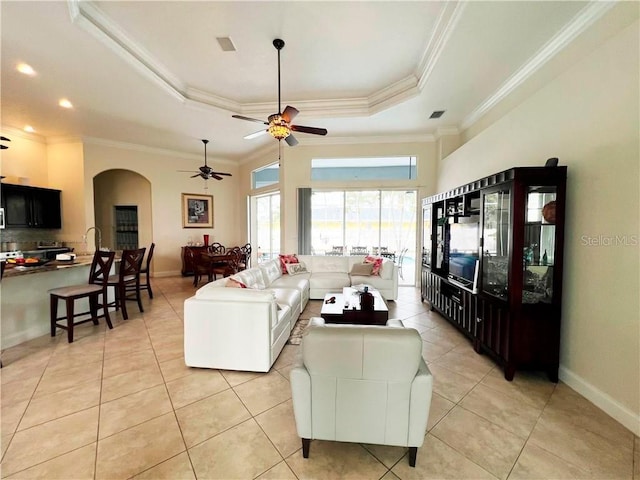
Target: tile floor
121	404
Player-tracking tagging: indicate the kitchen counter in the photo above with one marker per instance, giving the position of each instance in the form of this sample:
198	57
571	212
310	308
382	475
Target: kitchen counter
15	270
24	297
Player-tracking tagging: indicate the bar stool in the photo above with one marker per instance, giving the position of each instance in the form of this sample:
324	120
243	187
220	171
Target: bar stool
127	282
98	277
145	270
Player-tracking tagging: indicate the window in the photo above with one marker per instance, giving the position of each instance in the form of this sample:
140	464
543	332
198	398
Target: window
265	176
370	168
266	234
366	222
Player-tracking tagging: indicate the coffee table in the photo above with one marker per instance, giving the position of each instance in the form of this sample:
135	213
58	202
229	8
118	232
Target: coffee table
346	308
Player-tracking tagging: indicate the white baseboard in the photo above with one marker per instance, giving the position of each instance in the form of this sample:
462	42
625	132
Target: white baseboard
609	405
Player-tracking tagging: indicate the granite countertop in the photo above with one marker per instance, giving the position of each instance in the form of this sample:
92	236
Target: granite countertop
12	270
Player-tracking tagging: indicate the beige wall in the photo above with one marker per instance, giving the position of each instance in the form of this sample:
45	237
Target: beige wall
589	118
25	161
167	185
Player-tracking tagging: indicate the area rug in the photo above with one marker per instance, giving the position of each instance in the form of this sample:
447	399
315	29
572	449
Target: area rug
298	329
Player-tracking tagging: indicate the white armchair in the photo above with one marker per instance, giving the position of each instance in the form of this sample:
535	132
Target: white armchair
363	384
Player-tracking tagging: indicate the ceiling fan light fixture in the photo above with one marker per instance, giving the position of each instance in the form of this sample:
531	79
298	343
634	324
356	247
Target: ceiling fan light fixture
278	127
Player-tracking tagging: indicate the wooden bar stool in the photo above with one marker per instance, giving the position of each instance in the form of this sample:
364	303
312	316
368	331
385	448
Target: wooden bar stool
98	277
146	272
127	282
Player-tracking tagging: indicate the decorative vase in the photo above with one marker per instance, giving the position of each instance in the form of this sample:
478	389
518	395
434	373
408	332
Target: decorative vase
206	240
549	212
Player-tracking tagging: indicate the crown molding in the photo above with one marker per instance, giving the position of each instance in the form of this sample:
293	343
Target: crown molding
259	154
355	140
89	16
93	20
446	131
445	25
578	24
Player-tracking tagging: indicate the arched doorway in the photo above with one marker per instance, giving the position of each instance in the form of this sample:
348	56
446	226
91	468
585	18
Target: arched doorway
122	209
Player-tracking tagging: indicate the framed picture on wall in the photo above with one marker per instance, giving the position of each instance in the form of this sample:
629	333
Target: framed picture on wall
197	211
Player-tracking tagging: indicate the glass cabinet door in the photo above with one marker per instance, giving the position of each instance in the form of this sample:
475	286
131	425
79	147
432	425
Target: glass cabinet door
440	243
539	244
496	207
426	236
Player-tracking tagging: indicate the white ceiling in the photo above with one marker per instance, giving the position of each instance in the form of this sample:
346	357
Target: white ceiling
152	73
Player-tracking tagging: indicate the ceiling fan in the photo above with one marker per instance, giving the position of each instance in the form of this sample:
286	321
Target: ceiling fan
279	124
206	171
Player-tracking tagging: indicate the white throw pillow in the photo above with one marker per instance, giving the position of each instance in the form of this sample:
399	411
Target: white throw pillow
296	268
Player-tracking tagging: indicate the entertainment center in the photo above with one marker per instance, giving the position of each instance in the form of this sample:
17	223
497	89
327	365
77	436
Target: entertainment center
492	264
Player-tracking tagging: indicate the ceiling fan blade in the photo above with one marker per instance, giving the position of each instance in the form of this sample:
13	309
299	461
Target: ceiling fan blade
289	113
255	134
206	177
291	141
221	173
312	130
213	175
196	175
249	119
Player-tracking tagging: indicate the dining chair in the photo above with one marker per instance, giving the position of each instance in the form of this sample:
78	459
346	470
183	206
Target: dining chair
228	265
359	251
401	261
97	285
216	247
127	282
199	265
246	251
146	271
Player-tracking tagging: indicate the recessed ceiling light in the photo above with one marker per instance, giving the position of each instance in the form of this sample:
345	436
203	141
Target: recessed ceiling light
437	114
29	128
26	69
64	103
226	44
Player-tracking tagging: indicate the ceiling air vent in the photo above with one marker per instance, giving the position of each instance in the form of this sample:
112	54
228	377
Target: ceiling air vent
226	44
437	114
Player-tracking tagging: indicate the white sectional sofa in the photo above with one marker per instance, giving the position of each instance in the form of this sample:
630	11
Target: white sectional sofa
246	328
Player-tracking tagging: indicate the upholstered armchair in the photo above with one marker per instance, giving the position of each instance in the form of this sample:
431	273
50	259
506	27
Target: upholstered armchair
363	384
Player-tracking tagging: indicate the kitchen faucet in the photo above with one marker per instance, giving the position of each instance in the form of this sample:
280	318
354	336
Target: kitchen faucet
84	237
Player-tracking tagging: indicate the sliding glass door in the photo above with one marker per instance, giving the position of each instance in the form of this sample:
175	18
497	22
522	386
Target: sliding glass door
377	222
266	226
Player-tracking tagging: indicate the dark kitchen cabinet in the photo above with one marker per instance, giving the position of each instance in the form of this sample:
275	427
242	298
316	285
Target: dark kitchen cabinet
31	207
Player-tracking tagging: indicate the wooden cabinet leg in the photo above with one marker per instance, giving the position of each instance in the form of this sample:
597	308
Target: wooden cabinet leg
552	373
413	453
509	371
477	346
306	442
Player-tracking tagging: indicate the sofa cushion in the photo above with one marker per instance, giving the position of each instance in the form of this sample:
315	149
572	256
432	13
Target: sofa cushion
252	278
270	271
328	264
300	282
296	268
377	263
361	269
330	281
387	268
286	296
285	260
211	292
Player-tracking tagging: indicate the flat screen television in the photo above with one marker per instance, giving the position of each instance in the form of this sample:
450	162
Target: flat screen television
464	246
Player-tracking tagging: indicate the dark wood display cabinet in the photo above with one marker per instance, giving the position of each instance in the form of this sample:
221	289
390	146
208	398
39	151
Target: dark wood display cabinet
492	264
31	207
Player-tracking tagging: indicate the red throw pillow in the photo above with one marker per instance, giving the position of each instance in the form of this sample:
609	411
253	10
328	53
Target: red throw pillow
284	259
377	264
233	283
